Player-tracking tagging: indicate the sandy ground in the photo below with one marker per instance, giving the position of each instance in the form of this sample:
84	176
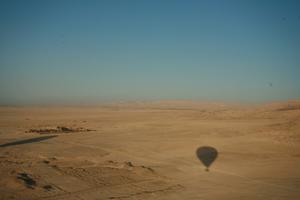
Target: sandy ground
147	151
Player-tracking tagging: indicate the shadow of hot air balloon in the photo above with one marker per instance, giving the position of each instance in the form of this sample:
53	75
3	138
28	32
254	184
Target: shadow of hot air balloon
207	155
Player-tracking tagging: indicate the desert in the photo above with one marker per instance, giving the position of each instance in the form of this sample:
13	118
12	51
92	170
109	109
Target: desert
147	150
149	100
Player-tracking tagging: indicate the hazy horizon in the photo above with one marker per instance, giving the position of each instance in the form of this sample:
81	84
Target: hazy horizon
80	52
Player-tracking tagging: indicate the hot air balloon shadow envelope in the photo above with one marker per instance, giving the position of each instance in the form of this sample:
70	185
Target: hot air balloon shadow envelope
207	155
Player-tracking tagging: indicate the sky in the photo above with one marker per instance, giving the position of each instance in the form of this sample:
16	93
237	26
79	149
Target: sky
70	51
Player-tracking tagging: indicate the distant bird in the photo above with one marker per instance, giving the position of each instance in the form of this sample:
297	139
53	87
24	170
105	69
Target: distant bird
270	84
283	18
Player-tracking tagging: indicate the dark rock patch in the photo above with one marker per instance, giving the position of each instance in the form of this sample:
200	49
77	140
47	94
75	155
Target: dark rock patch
28	180
59	129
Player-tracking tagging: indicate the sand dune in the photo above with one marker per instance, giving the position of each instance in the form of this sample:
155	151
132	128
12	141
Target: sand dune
147	150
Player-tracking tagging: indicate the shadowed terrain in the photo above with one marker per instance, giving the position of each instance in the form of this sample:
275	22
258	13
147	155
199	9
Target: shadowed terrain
27	141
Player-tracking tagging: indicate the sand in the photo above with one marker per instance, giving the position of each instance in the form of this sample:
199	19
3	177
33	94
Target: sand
147	150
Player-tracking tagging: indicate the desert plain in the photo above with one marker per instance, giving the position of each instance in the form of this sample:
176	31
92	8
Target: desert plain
146	150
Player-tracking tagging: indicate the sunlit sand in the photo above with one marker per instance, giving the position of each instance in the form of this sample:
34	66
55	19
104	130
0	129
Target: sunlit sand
148	151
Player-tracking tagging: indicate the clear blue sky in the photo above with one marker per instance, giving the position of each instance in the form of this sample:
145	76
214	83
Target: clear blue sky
87	51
